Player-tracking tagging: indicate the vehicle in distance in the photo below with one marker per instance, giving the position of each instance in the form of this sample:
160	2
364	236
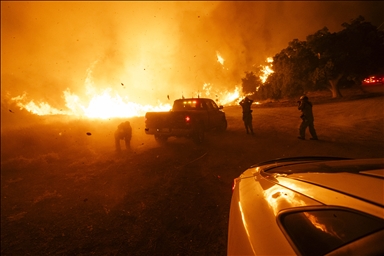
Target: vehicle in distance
374	80
308	206
189	117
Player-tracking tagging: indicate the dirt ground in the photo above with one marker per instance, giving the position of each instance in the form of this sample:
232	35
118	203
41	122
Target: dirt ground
66	192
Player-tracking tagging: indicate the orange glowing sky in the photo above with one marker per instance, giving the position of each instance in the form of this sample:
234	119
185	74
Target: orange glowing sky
146	51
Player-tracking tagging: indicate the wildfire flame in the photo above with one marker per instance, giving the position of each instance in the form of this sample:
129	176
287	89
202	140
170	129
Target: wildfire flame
222	97
266	70
219	58
108	103
102	106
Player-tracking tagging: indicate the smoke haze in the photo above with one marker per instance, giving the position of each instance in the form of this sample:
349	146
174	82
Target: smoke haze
145	51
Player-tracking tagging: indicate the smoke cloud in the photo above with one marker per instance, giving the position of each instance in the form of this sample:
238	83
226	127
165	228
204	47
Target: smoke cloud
145	51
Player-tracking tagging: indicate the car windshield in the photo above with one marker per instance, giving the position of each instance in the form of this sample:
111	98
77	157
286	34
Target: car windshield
317	232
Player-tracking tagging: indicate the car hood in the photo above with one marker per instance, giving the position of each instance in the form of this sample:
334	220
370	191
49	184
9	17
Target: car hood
357	184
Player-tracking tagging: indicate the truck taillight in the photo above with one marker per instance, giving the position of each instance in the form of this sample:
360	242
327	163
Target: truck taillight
187	119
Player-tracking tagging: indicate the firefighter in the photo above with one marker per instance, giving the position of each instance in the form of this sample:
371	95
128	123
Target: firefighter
246	104
305	106
123	132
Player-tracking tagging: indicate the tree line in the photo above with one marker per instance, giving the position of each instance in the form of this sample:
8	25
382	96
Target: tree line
324	61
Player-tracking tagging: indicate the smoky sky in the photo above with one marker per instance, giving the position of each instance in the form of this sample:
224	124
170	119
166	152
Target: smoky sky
148	50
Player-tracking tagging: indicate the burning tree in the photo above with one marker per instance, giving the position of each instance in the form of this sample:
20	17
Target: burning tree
250	83
254	80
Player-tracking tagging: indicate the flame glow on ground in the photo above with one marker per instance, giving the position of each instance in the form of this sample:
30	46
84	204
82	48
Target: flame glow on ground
109	104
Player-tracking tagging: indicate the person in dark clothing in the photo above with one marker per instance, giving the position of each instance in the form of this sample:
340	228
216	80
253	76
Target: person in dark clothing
123	132
305	106
246	104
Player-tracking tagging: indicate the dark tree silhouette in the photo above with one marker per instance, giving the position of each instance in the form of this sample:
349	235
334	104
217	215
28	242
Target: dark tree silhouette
293	68
355	52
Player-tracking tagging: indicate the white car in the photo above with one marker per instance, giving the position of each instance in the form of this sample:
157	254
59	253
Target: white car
308	206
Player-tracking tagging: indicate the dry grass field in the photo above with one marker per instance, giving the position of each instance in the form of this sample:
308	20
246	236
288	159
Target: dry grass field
64	192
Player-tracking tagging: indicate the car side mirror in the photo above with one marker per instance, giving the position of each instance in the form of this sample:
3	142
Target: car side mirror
221	107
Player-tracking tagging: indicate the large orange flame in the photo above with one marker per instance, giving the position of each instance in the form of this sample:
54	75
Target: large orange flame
221	97
109	103
104	105
266	70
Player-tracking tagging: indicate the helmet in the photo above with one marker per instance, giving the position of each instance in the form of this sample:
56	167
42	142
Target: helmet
303	97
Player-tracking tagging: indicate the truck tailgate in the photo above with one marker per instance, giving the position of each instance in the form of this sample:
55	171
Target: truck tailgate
157	119
171	120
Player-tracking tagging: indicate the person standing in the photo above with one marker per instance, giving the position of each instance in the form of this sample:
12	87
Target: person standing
246	104
305	106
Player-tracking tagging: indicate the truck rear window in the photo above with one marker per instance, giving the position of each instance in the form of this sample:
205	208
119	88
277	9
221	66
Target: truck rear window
188	105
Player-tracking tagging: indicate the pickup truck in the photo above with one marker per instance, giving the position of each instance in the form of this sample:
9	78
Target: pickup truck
189	117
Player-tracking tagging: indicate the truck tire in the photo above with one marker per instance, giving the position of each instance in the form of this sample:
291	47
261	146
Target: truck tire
161	139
